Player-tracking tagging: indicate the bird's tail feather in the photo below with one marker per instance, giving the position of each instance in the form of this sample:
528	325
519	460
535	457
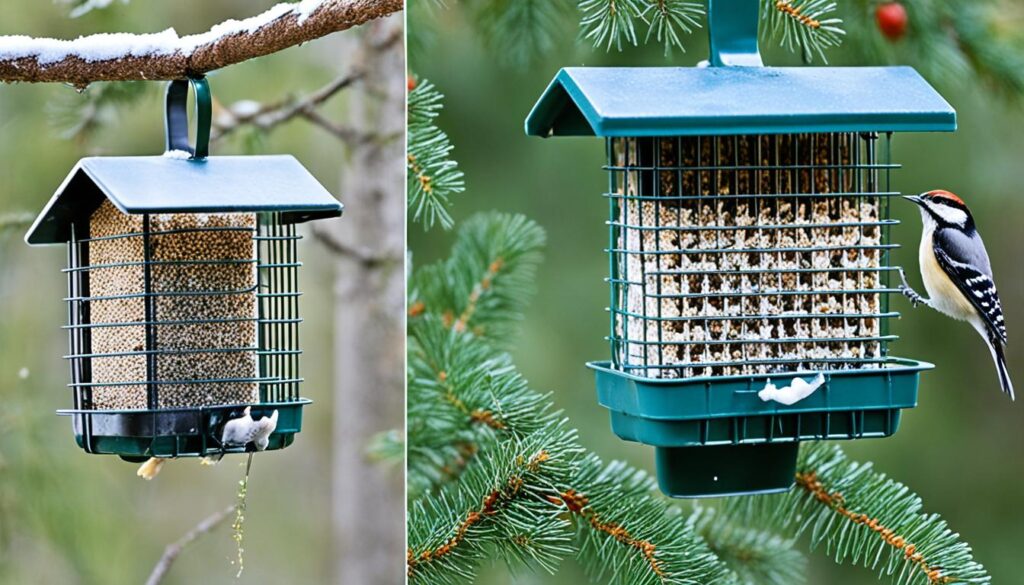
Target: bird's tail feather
995	345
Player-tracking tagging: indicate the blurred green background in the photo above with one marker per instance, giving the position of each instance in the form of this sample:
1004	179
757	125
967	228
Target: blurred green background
960	449
71	518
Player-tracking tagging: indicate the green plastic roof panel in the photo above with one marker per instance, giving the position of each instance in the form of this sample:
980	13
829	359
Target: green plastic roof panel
689	101
162	184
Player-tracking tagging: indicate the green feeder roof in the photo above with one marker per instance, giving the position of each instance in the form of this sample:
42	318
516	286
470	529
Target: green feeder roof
163	184
688	101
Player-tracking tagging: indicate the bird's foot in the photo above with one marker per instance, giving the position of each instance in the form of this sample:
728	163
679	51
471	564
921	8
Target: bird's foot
904	288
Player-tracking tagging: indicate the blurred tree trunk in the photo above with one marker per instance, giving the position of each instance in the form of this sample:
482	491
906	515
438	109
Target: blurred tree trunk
369	339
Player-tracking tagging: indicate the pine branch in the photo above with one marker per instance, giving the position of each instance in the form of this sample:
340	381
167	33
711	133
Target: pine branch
991	43
500	507
862	517
461	394
473	421
165	55
607	23
485	284
952	44
83	7
518	32
387	447
755	557
631	537
670	19
806	26
432	176
76	115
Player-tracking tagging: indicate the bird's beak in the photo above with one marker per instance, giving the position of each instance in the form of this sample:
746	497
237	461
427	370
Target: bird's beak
915	198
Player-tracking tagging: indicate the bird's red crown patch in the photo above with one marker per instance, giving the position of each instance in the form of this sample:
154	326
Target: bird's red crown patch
943	194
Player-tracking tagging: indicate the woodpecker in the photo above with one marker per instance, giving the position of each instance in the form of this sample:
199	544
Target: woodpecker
957	273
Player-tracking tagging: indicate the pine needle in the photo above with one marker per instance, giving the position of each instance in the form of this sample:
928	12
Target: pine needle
433	177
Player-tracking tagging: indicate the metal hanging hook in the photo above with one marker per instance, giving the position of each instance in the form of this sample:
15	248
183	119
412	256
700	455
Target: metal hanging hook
732	33
176	116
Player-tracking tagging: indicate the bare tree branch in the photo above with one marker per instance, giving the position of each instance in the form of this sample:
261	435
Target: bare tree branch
15	220
365	256
267	116
174	549
347	135
167	56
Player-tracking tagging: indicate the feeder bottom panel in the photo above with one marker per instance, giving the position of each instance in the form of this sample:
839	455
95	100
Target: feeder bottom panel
141	434
849	404
715	436
854	424
195	285
731	470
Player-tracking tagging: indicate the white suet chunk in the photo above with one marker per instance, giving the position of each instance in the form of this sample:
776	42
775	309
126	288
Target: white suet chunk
797	390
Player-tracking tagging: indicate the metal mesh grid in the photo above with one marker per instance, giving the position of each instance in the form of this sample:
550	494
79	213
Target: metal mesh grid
182	310
741	255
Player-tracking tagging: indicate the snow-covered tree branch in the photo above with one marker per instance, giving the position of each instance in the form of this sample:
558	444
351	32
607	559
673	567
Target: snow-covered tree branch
165	55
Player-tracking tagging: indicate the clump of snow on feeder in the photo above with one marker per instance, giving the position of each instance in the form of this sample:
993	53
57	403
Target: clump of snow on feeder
716	260
177	154
205	305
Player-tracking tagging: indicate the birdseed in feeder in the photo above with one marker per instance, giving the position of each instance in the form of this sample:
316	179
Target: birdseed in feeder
202	285
745	254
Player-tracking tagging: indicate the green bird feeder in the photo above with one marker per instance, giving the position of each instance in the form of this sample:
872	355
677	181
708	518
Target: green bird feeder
183	296
748	253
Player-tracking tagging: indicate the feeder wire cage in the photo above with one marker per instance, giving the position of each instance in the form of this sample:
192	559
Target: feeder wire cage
183	291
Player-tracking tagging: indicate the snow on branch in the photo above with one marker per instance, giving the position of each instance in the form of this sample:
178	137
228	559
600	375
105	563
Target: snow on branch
165	55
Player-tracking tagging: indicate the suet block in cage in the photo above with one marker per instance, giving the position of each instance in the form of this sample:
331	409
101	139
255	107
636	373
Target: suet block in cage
183	291
748	245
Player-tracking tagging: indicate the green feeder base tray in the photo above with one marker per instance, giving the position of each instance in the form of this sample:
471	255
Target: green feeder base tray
726	470
137	435
714	436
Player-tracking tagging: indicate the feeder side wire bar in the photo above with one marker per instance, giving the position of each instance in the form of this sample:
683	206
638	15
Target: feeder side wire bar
261	322
774	361
776	167
182	351
153	397
159	263
249	380
179	322
790	226
759	250
888	315
175	231
860	194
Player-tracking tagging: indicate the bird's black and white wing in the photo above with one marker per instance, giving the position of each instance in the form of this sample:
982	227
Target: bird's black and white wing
966	263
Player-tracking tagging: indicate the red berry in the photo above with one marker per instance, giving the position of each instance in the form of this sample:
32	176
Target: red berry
892	20
411	82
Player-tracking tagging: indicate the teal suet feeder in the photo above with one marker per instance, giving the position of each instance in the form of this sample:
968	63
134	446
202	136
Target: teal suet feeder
748	244
183	297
